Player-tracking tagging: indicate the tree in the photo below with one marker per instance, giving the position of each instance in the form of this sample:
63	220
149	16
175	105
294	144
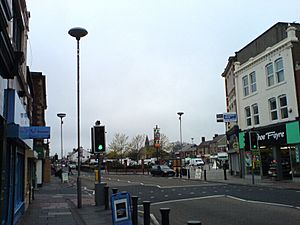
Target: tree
119	144
165	144
135	146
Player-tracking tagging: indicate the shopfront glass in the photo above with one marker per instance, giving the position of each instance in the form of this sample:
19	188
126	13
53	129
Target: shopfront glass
295	161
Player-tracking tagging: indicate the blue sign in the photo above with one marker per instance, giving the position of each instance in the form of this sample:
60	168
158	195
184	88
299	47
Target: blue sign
120	207
34	132
230	117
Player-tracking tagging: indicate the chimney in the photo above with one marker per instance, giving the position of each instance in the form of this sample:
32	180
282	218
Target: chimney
202	139
216	135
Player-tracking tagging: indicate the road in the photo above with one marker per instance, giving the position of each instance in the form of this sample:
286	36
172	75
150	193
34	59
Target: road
211	203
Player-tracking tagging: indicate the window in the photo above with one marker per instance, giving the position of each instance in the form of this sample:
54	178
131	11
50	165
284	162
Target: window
245	86
248	116
273	108
255	114
279	70
270	74
283	106
252	77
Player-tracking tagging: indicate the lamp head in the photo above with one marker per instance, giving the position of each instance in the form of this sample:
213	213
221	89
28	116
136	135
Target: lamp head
78	32
180	113
61	115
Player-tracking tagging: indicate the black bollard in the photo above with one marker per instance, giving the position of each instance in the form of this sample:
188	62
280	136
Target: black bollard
106	201
114	190
146	205
194	222
164	216
134	210
225	175
205	175
188	173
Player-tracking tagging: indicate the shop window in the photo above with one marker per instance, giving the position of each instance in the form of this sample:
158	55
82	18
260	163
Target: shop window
283	106
248	116
255	114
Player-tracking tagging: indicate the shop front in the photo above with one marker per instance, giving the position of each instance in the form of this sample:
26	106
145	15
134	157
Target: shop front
277	156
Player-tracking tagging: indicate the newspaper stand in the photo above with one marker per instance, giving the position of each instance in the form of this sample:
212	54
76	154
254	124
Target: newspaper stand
121	208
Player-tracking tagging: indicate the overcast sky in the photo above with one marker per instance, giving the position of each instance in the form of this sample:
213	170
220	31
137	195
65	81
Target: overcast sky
142	62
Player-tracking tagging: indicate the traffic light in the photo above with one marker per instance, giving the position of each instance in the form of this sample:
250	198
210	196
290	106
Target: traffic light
246	141
253	140
99	139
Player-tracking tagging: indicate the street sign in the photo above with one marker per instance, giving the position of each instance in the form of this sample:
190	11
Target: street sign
230	117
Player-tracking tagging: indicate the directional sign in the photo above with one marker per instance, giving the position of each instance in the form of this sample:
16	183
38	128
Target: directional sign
230	117
34	132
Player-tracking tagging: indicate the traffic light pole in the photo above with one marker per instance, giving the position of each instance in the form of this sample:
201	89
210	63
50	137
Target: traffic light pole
99	169
252	157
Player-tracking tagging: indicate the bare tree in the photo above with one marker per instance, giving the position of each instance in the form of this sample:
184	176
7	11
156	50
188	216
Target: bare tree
119	144
165	144
136	144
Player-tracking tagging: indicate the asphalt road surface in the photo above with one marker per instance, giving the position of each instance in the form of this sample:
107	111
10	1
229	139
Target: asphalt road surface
211	203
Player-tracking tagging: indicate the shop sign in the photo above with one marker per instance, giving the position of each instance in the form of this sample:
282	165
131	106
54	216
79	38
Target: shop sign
272	136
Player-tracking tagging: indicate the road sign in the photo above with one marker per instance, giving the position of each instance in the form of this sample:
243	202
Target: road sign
230	117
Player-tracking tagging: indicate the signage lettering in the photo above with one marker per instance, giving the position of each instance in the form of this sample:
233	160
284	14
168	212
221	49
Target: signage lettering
271	135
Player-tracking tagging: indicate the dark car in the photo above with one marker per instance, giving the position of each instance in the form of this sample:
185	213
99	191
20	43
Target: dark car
162	170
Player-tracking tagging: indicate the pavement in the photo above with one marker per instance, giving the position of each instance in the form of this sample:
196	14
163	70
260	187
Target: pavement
55	203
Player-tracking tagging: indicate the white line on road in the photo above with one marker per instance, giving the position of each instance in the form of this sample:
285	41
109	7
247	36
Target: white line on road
188	199
260	202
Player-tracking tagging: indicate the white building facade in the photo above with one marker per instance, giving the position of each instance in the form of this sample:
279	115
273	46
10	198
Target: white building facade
267	93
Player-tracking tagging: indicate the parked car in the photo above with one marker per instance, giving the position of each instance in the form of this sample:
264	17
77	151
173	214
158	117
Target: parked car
162	170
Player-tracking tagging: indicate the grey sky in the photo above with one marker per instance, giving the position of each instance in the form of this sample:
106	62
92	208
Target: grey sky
143	61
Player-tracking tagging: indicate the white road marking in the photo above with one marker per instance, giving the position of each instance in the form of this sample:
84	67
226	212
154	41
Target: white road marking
192	193
260	202
166	196
179	194
188	199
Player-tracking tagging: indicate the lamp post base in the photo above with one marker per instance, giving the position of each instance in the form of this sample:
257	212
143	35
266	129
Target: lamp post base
79	202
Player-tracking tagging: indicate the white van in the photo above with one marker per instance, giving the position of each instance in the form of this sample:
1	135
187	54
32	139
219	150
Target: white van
194	161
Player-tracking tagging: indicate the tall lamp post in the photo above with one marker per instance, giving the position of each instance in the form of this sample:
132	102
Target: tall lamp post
78	33
61	116
180	114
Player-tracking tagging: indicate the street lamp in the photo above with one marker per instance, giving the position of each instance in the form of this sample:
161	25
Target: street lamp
78	33
180	114
61	116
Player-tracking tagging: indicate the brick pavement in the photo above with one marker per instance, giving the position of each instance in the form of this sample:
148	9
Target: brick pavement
55	204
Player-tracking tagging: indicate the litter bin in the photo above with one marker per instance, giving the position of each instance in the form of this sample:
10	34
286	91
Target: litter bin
99	194
184	172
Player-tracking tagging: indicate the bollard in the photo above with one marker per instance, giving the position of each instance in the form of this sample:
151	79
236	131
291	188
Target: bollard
225	175
164	216
134	210
194	222
188	173
205	175
146	205
114	190
106	201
